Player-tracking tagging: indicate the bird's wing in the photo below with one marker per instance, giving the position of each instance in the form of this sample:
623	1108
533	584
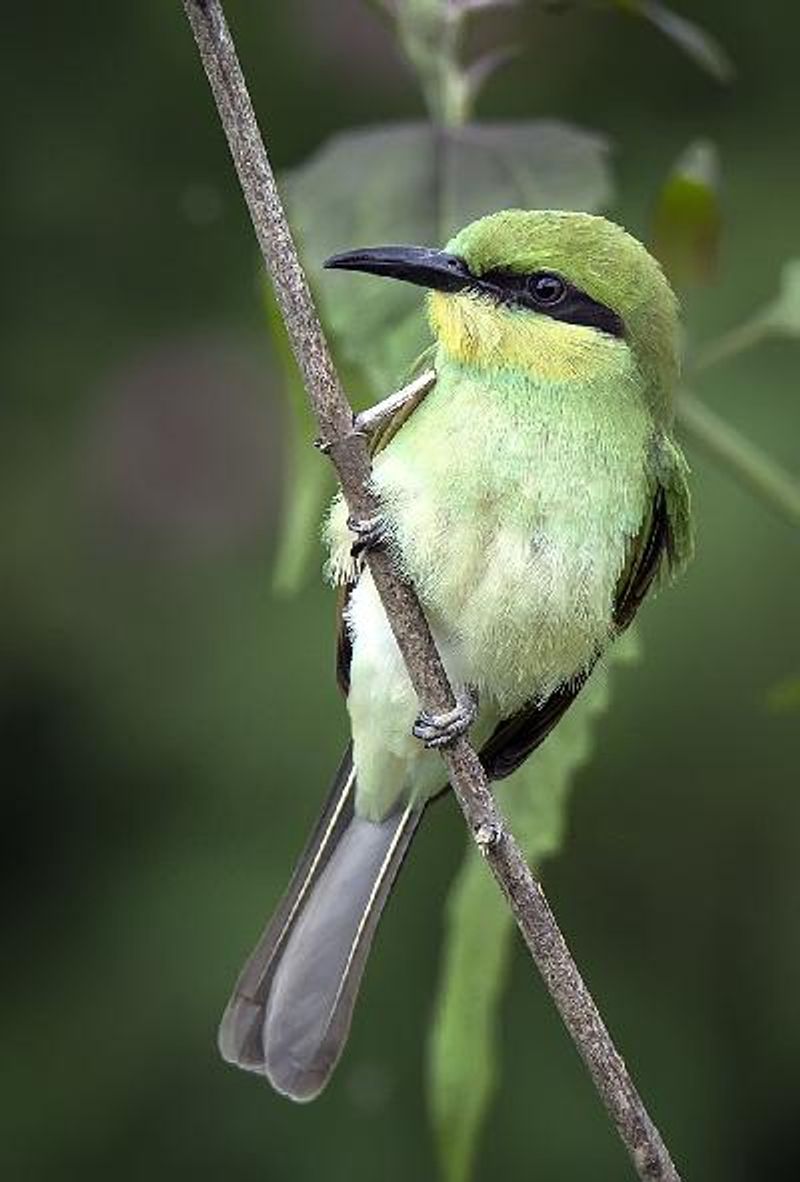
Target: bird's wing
516	737
344	643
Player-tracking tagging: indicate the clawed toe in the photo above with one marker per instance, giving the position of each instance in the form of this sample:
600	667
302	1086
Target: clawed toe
439	730
370	532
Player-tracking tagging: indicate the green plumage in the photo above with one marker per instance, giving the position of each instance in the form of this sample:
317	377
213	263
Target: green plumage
520	492
532	497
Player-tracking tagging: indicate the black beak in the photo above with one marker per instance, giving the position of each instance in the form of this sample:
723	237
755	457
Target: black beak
414	264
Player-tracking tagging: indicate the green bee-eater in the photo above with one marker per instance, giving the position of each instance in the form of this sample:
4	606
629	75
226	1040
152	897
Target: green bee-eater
532	498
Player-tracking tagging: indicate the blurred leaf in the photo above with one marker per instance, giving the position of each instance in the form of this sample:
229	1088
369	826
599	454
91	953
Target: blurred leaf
306	488
419	184
462	1068
784	698
687	220
462	1062
307	479
406	183
695	42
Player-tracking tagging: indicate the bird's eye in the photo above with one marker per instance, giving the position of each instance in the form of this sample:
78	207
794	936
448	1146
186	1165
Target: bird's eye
547	289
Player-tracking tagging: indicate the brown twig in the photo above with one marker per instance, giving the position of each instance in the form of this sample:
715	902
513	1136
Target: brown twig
348	452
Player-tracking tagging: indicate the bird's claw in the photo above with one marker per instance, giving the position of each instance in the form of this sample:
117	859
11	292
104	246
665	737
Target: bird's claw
440	730
370	532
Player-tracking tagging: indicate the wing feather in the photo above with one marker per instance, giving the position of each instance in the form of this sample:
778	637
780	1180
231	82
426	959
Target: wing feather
516	737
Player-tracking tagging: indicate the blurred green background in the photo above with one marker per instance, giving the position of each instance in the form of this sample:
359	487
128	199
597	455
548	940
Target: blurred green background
168	727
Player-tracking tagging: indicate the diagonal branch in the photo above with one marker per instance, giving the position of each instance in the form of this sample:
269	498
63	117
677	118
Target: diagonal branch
347	449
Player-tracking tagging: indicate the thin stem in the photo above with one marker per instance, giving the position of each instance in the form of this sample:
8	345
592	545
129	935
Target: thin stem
481	5
348	452
735	341
431	38
734	451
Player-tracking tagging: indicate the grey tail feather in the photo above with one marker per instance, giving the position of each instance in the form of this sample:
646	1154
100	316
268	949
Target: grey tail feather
289	1015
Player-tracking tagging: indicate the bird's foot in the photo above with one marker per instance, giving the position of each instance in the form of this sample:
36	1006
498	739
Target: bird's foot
370	532
368	422
440	730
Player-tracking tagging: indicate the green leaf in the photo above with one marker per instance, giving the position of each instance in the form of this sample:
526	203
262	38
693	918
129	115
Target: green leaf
418	184
462	1060
687	220
784	698
306	488
695	42
462	1069
307	479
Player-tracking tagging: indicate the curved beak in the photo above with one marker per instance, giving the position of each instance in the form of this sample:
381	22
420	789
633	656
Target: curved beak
421	265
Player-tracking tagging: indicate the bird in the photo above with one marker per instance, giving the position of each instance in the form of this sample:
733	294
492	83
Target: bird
533	497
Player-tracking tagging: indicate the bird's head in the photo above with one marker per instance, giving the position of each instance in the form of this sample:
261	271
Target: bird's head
562	295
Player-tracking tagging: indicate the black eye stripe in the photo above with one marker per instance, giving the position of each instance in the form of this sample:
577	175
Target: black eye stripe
574	307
